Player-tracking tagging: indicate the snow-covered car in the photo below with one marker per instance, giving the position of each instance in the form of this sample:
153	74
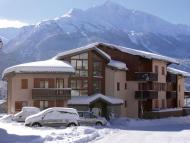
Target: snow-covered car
24	113
88	118
56	116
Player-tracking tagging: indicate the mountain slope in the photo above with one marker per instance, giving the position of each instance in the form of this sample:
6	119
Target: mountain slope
110	22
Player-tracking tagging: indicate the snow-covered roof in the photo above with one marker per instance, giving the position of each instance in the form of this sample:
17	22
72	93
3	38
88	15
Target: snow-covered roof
87	100
117	64
51	65
83	49
144	54
2	101
179	72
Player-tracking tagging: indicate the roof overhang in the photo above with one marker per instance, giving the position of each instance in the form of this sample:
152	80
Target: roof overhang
88	100
178	72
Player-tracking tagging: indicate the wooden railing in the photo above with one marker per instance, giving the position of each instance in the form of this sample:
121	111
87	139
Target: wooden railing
146	95
51	93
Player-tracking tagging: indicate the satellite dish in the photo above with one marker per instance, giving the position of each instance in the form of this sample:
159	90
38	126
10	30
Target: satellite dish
1	44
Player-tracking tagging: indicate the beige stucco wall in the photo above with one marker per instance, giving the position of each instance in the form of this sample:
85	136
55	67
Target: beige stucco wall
180	82
112	77
132	103
15	93
161	79
160	64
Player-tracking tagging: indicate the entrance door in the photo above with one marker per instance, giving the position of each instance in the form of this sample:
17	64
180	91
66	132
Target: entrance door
102	106
144	106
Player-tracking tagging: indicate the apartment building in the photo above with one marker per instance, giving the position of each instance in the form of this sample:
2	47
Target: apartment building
116	80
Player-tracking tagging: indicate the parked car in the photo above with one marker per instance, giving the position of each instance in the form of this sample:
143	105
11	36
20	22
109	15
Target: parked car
24	113
56	116
88	118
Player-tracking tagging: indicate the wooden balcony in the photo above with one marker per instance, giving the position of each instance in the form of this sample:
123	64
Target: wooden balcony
146	76
171	78
51	93
171	86
146	95
171	94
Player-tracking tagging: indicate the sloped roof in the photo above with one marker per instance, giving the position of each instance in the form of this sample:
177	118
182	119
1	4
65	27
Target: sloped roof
51	65
83	49
178	72
87	100
144	54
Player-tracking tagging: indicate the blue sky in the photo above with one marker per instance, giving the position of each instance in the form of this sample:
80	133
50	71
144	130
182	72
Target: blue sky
32	11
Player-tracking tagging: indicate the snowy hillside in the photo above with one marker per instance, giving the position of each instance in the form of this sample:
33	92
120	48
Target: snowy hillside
110	22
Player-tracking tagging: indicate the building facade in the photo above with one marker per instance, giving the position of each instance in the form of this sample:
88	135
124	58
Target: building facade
116	80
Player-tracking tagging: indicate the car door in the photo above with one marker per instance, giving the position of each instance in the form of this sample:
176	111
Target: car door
82	120
50	118
88	118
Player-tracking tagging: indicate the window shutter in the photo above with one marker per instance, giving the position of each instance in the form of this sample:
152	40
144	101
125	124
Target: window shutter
24	83
36	83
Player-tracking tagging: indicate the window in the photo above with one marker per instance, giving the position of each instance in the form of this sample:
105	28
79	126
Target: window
125	85
156	69
118	86
163	71
125	103
19	105
80	63
24	83
86	115
59	83
44	83
156	103
79	87
97	68
43	104
97	85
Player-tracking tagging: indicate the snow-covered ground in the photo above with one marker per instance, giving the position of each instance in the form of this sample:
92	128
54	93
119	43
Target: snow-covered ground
169	130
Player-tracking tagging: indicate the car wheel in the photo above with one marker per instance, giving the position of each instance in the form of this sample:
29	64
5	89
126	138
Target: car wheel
36	125
99	124
72	125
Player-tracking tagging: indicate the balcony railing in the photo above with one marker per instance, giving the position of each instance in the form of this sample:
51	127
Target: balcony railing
171	78
146	76
171	86
146	95
171	94
51	93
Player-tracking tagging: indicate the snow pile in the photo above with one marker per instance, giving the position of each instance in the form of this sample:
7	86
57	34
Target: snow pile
168	110
50	65
117	64
168	130
6	118
9	133
130	123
